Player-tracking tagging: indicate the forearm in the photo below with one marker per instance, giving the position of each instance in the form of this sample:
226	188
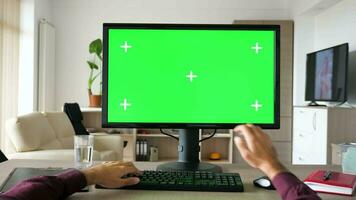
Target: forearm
48	187
291	188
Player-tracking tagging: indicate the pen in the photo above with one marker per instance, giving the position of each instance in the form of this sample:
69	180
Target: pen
327	175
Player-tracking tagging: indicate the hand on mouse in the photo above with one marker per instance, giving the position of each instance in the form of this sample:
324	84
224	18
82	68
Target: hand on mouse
257	150
109	174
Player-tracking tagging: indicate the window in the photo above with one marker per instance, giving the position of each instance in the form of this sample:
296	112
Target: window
9	61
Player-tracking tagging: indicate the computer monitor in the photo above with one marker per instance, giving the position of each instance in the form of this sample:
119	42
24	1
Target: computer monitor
190	77
326	75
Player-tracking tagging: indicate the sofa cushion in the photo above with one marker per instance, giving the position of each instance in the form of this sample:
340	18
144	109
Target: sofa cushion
108	155
60	154
54	154
62	127
67	142
32	132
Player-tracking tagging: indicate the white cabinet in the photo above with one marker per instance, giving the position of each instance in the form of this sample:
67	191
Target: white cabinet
315	128
309	136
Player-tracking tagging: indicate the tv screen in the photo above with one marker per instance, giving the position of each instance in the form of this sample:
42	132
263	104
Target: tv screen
190	76
327	74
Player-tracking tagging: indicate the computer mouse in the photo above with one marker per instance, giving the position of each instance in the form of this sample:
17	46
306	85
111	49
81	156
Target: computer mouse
264	182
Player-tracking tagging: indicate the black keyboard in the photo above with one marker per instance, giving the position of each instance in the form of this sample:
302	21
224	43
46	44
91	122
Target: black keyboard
188	181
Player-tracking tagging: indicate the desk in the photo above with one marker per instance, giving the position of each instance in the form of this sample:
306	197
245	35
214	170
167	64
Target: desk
247	174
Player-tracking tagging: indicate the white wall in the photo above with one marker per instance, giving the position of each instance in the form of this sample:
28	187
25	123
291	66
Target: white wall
79	22
304	28
337	25
310	7
300	7
320	28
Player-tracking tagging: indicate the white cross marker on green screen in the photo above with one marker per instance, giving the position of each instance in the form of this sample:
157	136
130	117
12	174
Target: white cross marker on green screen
125	46
125	104
257	106
191	76
257	48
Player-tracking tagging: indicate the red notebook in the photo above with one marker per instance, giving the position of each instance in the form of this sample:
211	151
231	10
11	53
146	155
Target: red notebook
338	183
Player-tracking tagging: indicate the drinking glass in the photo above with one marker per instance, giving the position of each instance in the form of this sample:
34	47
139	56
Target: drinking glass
83	151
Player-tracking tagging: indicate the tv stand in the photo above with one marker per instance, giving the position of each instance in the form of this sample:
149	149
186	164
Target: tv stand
188	154
313	103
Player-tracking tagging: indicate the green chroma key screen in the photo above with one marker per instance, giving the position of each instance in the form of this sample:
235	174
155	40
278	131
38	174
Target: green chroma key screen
190	76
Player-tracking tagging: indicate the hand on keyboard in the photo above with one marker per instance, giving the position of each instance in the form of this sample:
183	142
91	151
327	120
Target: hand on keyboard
112	174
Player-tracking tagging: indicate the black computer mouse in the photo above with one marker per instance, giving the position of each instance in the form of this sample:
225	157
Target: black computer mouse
264	182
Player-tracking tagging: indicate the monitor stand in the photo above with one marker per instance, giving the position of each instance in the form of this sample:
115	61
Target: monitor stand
188	154
313	103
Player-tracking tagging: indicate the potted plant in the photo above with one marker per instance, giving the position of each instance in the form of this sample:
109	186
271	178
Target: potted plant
95	49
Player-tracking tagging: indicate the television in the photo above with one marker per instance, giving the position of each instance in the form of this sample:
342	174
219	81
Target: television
326	75
190	77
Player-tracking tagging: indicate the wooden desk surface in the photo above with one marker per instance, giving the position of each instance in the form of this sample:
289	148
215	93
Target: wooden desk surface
247	174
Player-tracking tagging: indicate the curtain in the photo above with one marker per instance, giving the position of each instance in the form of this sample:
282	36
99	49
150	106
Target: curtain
9	62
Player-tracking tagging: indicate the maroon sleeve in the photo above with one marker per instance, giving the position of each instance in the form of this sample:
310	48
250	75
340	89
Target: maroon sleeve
291	188
47	187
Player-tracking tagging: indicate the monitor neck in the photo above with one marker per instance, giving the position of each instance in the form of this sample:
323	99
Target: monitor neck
188	154
188	147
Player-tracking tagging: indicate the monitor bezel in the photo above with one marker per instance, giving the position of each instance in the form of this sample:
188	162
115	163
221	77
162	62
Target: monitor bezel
107	26
308	78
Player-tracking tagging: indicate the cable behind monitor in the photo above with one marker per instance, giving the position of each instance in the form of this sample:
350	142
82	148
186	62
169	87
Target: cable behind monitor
172	136
210	136
177	138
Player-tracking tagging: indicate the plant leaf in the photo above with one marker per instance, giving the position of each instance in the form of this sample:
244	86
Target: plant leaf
99	56
90	82
96	76
96	46
92	65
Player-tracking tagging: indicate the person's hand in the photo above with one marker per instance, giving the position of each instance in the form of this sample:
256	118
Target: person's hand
109	174
257	150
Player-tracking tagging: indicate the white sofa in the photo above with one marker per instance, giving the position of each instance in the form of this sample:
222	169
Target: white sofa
50	135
